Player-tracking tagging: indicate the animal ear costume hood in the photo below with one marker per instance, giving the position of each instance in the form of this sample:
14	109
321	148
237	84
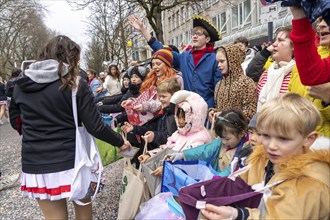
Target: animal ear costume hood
195	109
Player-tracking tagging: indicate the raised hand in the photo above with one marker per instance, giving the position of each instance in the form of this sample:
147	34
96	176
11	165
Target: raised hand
135	22
297	13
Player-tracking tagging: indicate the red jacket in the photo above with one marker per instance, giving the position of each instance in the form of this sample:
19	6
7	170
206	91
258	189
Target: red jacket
312	69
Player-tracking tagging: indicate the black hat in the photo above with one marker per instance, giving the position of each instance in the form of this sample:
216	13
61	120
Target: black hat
203	22
138	70
125	75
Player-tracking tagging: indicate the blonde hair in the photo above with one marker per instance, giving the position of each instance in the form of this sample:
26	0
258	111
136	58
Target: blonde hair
169	85
288	112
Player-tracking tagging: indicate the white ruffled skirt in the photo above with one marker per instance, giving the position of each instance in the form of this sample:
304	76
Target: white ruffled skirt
52	186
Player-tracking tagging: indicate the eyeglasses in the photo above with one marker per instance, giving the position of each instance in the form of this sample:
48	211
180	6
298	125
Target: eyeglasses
198	34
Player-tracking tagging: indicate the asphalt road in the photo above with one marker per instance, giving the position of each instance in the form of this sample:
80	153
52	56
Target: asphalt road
14	206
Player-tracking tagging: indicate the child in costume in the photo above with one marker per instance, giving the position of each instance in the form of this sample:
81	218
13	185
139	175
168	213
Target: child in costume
190	115
197	64
299	176
231	127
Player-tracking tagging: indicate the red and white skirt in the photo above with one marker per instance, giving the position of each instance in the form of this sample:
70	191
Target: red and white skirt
52	186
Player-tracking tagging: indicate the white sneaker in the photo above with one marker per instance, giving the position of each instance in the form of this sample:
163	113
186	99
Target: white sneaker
1	122
8	181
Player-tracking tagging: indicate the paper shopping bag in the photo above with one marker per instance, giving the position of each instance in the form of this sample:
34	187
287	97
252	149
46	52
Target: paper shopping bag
134	191
154	182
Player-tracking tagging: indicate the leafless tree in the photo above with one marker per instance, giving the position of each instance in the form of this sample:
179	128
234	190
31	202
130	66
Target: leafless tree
107	27
22	32
152	8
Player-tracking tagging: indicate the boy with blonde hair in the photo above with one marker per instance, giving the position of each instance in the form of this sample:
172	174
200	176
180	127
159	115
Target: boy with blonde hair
300	177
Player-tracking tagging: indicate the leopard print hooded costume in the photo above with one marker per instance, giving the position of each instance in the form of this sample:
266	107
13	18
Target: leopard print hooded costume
235	90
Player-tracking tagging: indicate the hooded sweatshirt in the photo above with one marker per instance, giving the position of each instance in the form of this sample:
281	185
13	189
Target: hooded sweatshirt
236	90
47	124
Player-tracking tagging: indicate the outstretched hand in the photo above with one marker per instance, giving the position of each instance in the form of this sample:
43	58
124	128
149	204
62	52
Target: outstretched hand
126	146
127	127
135	22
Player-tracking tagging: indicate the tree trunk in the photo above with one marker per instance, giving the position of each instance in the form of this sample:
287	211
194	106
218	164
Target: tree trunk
159	26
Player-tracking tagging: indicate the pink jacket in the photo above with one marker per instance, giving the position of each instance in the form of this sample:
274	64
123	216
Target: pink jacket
193	133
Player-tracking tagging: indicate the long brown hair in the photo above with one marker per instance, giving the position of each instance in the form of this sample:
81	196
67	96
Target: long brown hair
152	80
64	50
117	75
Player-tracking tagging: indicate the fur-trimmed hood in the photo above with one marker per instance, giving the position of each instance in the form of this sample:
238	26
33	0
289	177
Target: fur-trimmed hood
298	166
195	109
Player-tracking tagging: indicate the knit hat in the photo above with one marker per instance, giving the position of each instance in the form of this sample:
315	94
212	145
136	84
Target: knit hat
164	55
125	75
140	71
253	121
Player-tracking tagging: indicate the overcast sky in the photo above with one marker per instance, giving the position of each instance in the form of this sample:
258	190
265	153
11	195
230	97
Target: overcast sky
62	18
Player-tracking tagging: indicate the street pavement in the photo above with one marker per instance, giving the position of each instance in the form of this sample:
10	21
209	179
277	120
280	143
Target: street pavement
14	206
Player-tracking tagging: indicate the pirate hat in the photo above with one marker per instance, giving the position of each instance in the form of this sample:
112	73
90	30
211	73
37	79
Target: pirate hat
203	22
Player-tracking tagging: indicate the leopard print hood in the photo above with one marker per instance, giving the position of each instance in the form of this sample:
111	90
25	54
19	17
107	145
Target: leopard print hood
235	57
236	90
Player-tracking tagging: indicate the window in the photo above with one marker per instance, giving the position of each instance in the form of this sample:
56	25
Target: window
240	13
170	23
208	3
174	21
234	18
223	20
177	41
194	9
246	10
178	18
180	40
214	21
186	41
188	12
183	15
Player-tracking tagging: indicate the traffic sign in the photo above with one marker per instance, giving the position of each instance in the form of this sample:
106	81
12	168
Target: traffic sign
264	3
269	13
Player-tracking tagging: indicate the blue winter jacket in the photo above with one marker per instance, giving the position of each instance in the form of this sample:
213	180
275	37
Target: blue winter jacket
201	78
96	84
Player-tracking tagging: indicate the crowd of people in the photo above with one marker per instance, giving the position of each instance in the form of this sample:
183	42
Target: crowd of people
269	109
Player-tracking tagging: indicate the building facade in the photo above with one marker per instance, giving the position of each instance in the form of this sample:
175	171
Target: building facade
234	18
